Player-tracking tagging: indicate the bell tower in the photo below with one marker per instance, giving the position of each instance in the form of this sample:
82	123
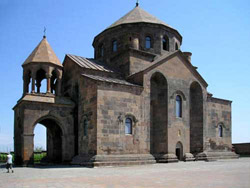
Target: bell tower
43	103
42	64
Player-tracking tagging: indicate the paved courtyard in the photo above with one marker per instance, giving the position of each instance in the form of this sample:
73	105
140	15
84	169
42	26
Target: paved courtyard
217	174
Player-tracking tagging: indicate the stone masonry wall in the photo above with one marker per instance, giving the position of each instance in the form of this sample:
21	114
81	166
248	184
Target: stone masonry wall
28	114
218	112
87	112
242	148
179	79
115	103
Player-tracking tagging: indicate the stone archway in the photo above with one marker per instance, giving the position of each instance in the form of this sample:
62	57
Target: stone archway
196	118
54	139
179	151
158	114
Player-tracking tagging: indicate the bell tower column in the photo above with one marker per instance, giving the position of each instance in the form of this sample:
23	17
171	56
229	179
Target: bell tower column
33	84
25	85
59	84
48	77
59	87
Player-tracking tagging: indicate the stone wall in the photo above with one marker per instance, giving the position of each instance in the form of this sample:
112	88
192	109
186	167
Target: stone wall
242	148
87	114
179	78
115	103
218	113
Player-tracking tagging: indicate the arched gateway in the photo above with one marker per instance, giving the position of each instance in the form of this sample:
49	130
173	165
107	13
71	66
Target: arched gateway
54	139
49	109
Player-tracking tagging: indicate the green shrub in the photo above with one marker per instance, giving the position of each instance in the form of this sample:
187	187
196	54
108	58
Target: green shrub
38	156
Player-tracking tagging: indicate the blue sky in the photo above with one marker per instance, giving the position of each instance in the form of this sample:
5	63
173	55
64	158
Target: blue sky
216	32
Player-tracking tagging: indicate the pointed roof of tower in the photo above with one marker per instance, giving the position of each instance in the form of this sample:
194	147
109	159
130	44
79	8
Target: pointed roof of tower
138	15
43	53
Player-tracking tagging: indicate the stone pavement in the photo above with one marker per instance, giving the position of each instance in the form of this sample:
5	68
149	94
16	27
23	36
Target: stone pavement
217	174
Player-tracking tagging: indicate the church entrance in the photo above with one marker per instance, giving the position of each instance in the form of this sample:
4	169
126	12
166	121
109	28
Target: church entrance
179	151
53	142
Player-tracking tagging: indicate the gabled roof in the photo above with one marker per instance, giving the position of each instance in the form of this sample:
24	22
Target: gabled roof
43	53
138	15
165	58
109	80
89	63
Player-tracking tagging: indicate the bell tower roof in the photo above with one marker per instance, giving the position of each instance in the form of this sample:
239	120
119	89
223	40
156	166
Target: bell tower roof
43	53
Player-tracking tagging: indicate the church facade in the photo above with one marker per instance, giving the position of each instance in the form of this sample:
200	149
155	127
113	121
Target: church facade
138	101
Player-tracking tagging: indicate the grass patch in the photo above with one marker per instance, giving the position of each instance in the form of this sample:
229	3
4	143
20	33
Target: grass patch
3	157
38	156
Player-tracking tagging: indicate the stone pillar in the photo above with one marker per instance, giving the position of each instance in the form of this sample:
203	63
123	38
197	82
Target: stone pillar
48	77
25	85
33	77
59	87
28	149
135	43
67	150
49	145
38	85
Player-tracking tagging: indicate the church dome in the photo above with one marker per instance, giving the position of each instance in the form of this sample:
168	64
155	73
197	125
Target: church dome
137	30
138	15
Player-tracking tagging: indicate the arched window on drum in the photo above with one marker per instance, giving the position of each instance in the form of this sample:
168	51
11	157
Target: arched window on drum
148	42
178	106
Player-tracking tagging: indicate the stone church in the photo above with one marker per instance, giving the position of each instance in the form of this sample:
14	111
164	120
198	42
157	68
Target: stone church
138	101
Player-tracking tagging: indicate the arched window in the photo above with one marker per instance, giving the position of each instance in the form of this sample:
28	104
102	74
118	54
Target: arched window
165	43
178	106
148	44
101	50
41	82
85	127
114	46
128	126
176	46
54	82
220	131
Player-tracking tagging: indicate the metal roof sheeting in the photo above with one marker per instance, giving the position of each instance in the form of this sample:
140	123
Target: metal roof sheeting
110	80
89	63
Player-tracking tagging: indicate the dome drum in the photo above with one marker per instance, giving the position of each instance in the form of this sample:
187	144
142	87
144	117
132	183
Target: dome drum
135	36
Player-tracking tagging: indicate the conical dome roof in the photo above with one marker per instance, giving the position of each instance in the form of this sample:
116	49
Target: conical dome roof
43	53
138	15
